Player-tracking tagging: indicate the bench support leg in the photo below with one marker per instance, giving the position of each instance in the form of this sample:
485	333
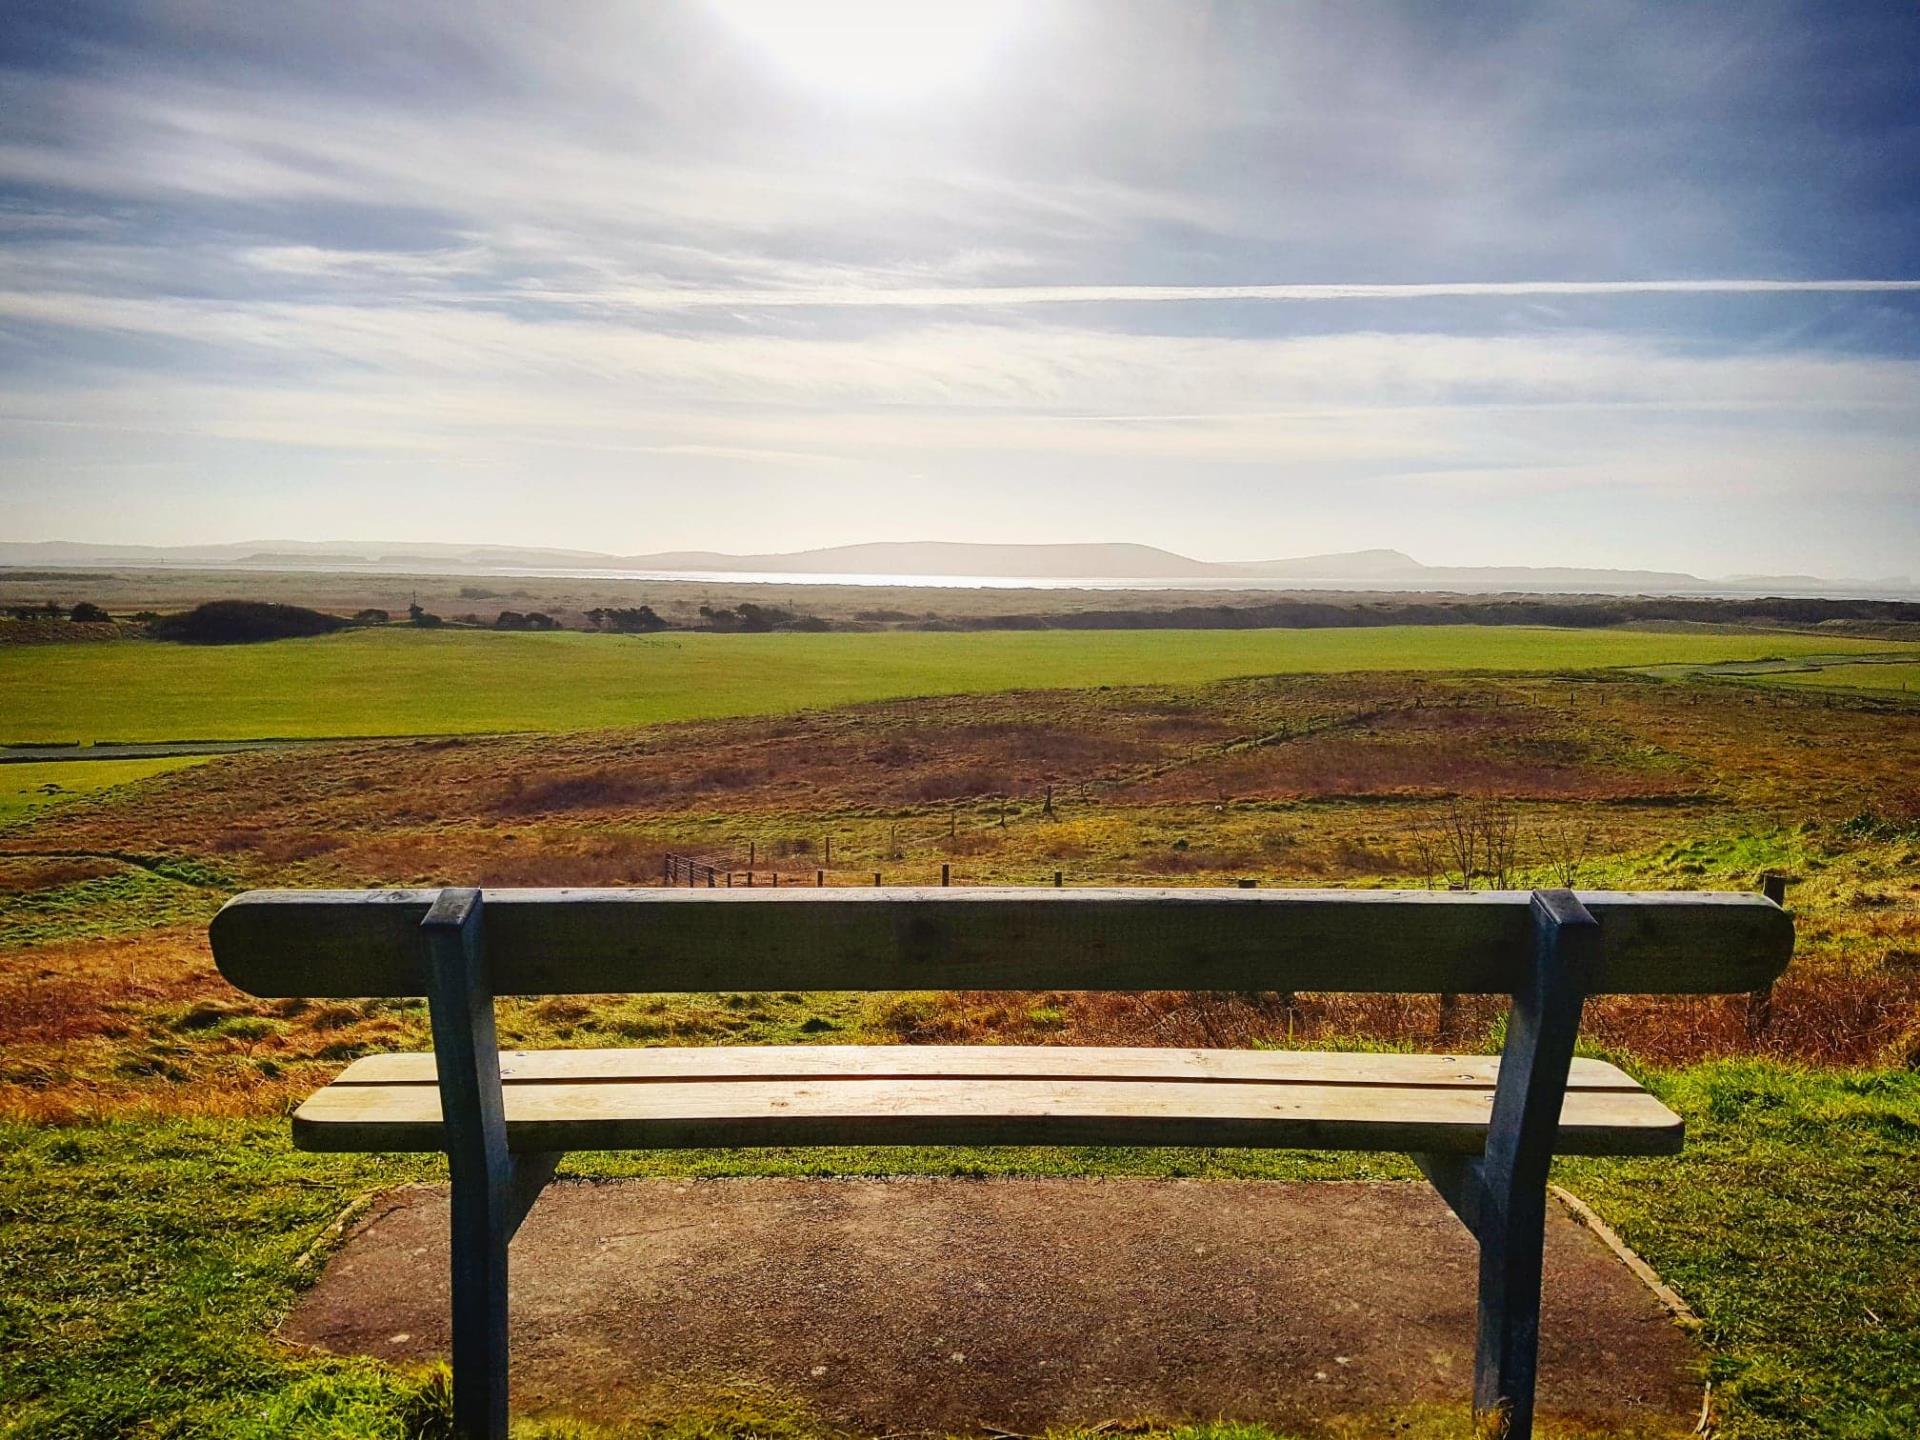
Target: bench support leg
1501	1196
492	1188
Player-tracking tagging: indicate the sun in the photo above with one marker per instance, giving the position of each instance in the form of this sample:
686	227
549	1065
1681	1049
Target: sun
879	50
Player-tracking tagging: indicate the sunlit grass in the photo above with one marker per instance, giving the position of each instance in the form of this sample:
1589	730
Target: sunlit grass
1899	678
406	682
29	787
143	1263
151	1210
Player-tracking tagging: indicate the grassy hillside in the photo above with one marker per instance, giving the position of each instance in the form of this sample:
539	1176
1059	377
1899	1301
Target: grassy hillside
1898	678
401	682
152	1211
28	788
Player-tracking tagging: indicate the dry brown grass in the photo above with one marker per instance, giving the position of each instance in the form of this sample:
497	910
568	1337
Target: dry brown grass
1300	738
147	1024
1301	780
1872	1023
21	876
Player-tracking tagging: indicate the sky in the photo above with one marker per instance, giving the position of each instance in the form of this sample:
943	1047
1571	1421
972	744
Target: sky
1593	284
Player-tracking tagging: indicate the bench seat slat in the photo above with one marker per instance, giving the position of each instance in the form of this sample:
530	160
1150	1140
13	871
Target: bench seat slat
1425	1107
1091	1062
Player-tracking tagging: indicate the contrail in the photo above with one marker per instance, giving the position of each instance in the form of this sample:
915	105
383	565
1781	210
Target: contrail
987	296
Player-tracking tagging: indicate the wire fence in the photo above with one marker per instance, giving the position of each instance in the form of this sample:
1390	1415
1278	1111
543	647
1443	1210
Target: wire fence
695	873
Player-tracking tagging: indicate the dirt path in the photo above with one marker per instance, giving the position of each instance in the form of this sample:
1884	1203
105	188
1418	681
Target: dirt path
901	1306
1798	664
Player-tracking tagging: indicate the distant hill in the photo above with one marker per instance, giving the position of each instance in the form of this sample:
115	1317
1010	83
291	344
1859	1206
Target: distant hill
1390	570
946	557
269	553
1347	565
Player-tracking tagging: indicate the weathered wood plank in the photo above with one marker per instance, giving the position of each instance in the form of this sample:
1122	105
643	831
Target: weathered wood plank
543	942
1032	1062
570	1115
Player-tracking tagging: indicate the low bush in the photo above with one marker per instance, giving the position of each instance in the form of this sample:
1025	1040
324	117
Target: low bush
239	622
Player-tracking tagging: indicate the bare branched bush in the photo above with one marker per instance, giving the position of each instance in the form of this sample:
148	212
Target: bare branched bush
1566	845
1470	841
1499	844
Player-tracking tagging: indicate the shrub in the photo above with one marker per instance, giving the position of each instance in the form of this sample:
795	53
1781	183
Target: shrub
88	613
371	616
747	618
638	619
239	622
1875	825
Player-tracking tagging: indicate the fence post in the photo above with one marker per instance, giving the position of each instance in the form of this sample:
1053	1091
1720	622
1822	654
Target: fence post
946	874
876	879
819	878
1056	879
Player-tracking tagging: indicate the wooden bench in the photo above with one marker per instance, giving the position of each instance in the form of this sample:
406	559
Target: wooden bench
1482	1129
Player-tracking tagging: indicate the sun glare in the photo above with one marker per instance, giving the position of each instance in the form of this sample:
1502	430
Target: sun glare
874	49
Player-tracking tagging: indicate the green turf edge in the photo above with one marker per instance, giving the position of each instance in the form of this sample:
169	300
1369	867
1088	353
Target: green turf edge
143	1263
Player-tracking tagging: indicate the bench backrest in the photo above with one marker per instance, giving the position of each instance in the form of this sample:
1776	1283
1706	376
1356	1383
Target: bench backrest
340	943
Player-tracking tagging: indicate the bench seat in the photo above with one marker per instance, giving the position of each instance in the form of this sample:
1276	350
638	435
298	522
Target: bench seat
979	1095
1483	1130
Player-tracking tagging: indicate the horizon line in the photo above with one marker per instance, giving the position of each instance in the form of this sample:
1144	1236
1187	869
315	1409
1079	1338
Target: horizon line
471	547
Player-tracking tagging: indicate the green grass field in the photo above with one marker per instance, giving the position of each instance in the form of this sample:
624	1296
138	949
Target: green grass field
153	1213
26	789
144	1263
406	682
1896	678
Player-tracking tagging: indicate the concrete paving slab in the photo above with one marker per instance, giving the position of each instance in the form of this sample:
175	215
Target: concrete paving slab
898	1306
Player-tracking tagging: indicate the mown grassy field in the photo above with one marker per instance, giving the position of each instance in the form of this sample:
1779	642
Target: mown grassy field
1900	678
31	786
152	1214
401	681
